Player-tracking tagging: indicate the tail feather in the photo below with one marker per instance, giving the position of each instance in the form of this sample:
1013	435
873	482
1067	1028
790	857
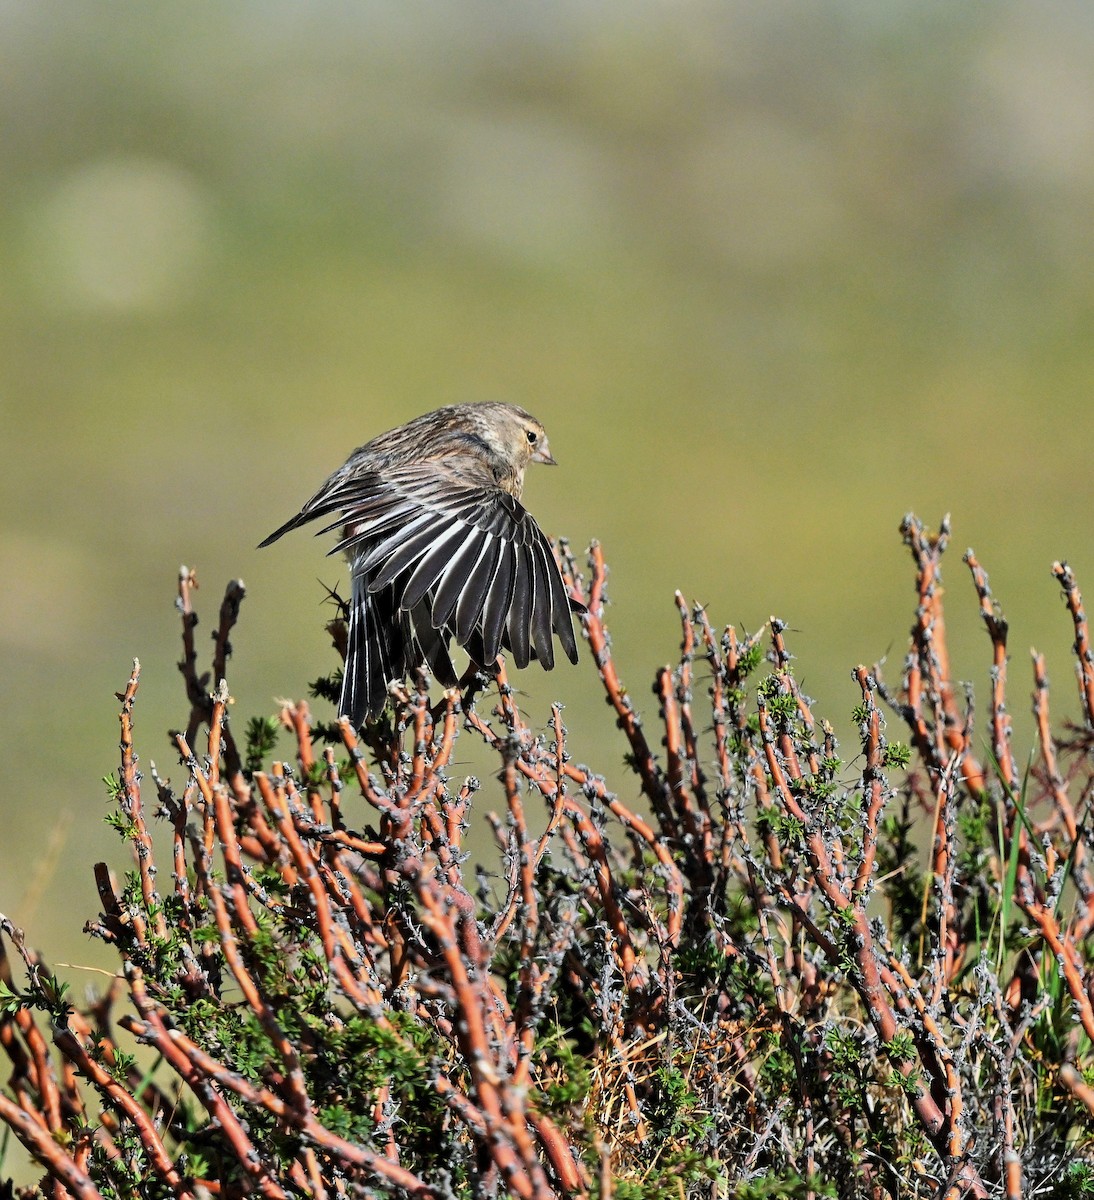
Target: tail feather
376	652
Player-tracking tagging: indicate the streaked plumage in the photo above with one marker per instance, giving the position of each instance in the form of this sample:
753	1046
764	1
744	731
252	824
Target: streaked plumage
441	549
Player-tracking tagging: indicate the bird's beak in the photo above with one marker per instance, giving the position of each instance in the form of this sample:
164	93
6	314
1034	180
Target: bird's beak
543	454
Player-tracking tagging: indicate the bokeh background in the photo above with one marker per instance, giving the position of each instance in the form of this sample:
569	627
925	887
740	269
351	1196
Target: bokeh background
770	273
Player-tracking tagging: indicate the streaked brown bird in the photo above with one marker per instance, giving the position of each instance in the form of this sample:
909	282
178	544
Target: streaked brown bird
441	549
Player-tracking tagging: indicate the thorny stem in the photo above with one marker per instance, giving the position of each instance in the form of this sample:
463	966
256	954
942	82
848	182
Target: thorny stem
715	934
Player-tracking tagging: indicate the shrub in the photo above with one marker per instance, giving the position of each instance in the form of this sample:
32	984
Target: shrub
780	975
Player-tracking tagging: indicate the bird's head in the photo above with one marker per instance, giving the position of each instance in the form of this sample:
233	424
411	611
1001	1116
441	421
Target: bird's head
512	438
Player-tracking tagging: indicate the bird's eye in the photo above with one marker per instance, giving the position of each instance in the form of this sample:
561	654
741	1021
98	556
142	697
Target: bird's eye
532	437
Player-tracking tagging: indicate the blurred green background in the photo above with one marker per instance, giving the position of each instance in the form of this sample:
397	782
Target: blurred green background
771	274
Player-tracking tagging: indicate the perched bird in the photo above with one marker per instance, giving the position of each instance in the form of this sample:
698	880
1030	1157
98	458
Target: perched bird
441	549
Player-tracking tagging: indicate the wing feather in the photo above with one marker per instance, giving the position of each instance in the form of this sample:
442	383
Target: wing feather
431	646
561	620
391	536
457	572
521	606
470	611
432	564
498	602
375	653
543	567
399	555
440	553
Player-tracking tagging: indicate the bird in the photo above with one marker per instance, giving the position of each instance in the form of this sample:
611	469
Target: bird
441	549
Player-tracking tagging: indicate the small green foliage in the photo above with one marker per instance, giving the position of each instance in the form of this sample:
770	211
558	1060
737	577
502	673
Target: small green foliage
788	1187
898	858
1076	1183
674	1109
976	827
327	687
901	1046
315	775
260	740
896	755
788	829
673	1158
749	659
127	1173
700	960
739	741
910	1084
122	824
781	703
126	1065
53	992
847	1068
779	1070
10	1001
669	1177
343	1123
565	1077
816	787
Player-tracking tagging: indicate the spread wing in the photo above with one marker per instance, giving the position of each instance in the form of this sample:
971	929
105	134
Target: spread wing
460	553
438	551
